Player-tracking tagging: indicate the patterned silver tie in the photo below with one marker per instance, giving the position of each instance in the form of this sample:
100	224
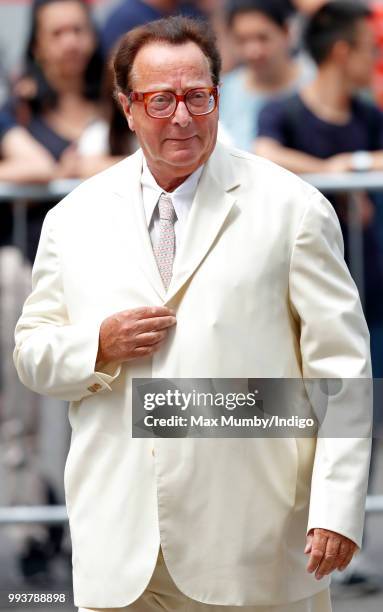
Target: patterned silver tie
164	251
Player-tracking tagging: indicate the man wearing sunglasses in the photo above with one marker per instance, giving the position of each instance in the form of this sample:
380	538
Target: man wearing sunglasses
190	259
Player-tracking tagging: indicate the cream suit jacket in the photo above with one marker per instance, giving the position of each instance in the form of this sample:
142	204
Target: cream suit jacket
261	289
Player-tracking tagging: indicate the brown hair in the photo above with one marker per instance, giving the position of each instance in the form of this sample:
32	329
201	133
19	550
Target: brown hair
172	30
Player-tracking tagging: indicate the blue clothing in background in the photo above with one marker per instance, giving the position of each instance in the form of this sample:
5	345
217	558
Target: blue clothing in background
294	125
7	122
37	127
45	135
132	13
239	108
55	144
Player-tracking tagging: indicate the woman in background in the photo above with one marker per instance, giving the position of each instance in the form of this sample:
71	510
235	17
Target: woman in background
58	99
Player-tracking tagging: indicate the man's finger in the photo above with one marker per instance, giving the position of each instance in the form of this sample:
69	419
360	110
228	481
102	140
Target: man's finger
346	561
149	338
143	326
318	547
145	351
344	552
330	557
148	312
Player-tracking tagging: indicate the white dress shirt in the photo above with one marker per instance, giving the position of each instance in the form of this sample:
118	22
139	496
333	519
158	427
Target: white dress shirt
182	199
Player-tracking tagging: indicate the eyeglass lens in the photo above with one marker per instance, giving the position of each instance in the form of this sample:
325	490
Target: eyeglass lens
198	102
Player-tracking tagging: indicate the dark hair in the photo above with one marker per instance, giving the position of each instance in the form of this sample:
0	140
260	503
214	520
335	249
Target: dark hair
334	21
277	11
45	97
172	30
121	140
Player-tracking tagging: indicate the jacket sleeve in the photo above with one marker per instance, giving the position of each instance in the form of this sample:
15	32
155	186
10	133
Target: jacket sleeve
53	356
334	343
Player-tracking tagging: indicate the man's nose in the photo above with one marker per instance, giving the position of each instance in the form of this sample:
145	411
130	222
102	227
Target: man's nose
182	115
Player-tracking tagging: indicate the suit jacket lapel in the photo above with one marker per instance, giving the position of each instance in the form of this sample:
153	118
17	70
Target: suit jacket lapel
128	187
211	206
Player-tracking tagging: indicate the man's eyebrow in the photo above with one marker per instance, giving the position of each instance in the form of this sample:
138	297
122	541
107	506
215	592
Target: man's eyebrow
164	87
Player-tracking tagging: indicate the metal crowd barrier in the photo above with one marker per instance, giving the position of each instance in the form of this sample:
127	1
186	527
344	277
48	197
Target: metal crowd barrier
351	183
56	190
21	195
347	182
53	515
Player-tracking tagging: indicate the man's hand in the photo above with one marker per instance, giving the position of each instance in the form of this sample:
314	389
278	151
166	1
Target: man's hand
134	333
328	551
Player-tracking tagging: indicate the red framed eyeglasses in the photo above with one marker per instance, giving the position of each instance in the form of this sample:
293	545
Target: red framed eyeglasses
163	104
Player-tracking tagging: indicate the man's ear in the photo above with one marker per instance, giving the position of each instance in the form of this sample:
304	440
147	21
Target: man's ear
127	109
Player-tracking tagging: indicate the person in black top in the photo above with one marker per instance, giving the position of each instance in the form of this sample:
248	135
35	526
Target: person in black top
59	99
22	160
340	40
327	128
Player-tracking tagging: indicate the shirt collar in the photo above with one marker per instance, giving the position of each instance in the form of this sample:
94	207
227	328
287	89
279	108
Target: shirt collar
182	196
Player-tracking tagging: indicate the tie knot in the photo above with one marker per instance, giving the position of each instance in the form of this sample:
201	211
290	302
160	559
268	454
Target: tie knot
166	208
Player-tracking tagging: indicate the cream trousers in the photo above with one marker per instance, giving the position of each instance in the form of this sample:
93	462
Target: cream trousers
162	594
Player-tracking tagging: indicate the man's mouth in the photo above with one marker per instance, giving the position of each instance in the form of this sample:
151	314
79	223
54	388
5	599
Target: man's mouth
182	139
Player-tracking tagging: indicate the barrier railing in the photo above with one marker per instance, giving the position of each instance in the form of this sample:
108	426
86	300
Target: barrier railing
351	183
21	195
344	181
48	515
348	182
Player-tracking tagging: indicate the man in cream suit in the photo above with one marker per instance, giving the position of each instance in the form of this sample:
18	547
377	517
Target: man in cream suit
190	259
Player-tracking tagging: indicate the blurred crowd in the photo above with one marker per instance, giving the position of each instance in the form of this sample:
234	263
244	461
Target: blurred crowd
302	85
